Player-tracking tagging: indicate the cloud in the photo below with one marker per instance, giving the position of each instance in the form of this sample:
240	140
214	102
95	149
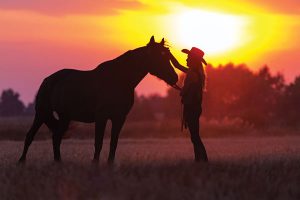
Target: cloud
69	7
112	7
280	6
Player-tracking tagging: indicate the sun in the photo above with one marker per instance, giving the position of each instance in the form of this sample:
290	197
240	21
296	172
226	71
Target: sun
213	32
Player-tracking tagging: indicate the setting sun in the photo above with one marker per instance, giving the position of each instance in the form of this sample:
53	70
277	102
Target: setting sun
214	32
37	39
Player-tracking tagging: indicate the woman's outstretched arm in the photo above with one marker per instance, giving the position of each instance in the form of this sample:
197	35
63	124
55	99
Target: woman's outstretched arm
177	64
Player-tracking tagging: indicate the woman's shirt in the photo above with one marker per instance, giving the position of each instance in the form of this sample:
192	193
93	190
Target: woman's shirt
192	90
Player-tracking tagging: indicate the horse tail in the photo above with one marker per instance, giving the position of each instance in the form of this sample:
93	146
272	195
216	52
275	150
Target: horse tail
44	95
43	107
47	96
43	114
42	99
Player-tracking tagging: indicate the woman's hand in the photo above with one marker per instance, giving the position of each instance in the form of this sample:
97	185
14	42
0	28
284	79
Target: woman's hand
177	87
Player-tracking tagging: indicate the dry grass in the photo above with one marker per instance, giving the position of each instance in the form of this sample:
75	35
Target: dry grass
249	168
15	129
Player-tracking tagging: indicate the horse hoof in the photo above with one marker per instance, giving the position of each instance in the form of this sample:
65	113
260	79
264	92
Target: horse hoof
201	160
57	160
95	161
110	162
21	161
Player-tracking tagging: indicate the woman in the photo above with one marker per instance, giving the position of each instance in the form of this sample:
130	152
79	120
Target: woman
191	94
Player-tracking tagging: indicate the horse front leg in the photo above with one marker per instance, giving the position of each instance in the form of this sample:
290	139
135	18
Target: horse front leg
99	134
56	141
117	124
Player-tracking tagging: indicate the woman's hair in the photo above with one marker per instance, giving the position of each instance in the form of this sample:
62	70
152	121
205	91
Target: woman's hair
203	77
200	68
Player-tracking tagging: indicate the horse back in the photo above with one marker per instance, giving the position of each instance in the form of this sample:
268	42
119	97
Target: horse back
80	94
52	87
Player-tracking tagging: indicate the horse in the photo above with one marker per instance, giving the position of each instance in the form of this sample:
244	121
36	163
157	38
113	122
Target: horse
96	96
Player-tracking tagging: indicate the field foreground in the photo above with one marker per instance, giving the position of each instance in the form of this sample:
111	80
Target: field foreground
239	168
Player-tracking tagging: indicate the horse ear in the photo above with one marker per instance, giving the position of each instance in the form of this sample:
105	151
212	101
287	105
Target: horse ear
162	42
152	40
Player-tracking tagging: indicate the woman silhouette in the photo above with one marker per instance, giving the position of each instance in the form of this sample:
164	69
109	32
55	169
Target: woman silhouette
191	97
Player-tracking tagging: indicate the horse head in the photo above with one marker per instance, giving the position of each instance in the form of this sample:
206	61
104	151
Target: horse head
159	62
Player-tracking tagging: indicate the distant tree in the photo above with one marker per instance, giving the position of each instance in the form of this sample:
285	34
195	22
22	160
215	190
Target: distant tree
172	107
289	107
155	101
171	104
141	109
267	91
29	110
237	92
10	104
257	96
227	91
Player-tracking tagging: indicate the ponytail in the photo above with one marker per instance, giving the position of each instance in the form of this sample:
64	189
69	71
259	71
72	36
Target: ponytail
202	77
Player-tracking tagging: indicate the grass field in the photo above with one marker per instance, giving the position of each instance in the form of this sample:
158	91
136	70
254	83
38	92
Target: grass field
15	128
239	168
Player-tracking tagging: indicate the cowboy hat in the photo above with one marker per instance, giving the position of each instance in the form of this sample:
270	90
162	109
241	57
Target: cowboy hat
196	53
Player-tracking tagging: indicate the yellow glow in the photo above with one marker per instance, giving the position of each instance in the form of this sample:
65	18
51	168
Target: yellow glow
227	31
213	32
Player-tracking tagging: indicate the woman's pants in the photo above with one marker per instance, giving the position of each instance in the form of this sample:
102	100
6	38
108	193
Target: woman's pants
191	116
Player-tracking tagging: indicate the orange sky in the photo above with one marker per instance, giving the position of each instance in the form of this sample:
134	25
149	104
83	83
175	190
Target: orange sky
39	37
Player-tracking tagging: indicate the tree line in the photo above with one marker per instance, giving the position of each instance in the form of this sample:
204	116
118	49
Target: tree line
232	91
235	92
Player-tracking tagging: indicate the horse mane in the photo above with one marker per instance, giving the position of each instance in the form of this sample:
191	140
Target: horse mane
122	58
126	57
129	53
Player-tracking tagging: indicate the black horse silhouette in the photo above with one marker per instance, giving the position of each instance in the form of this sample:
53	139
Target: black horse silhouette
104	93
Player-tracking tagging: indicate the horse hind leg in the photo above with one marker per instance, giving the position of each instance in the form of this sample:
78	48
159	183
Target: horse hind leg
37	122
58	128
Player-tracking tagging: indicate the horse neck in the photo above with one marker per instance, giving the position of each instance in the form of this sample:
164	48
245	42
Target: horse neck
130	68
